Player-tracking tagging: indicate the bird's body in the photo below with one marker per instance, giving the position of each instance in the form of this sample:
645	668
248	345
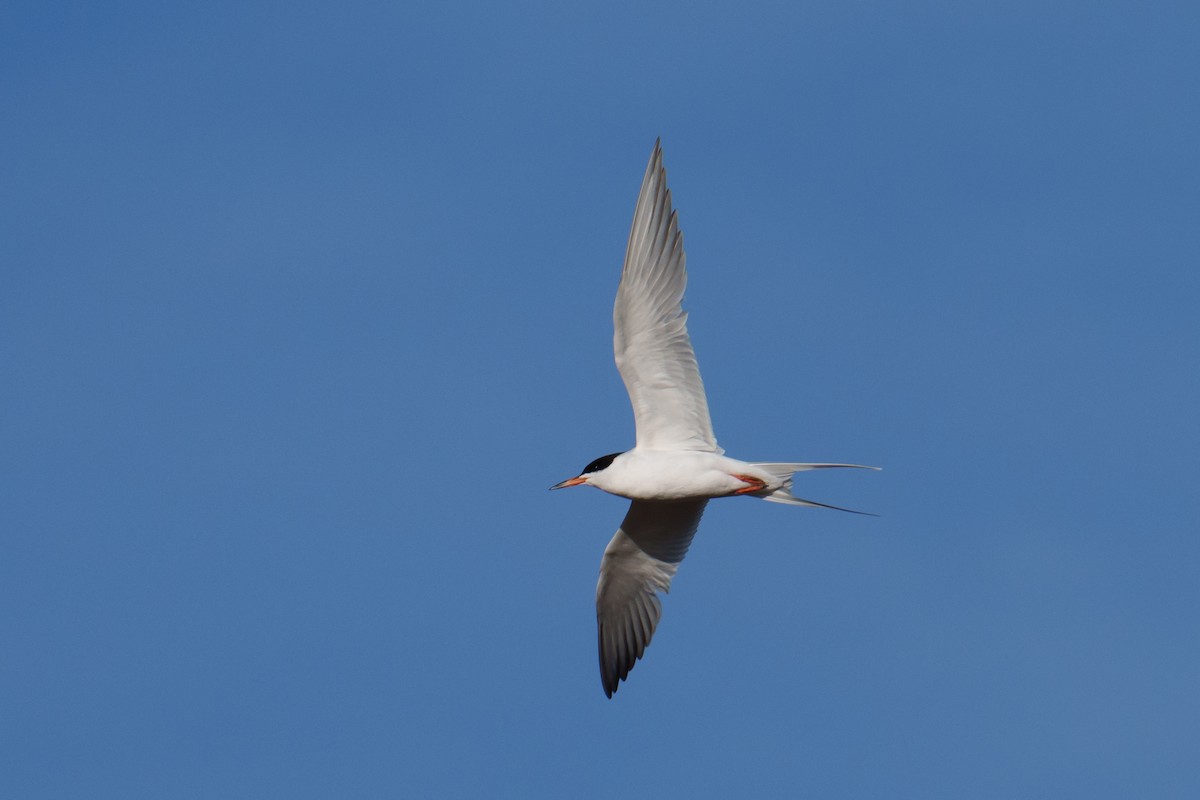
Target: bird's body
677	475
676	466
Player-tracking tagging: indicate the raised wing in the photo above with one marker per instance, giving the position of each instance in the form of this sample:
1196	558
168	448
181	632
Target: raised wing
650	339
638	563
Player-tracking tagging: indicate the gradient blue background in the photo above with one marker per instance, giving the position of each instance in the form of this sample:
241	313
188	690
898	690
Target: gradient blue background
304	305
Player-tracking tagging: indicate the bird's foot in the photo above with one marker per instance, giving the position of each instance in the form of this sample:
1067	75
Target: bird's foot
755	484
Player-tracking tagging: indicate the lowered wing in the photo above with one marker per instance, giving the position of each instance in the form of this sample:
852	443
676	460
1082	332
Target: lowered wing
639	563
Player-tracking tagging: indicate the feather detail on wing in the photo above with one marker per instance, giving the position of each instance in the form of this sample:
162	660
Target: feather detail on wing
653	352
638	563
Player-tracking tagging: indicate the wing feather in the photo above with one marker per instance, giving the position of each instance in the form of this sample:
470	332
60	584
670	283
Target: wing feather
650	340
638	563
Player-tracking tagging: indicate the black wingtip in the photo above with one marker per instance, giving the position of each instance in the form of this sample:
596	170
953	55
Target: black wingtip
609	683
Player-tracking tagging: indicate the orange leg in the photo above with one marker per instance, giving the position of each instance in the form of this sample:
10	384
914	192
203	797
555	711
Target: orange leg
756	484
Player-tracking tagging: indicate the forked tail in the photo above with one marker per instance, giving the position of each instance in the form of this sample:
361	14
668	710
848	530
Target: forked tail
783	472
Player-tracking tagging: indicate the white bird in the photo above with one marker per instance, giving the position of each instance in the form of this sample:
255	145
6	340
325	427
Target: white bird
676	465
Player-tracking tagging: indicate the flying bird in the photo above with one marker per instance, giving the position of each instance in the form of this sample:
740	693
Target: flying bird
675	467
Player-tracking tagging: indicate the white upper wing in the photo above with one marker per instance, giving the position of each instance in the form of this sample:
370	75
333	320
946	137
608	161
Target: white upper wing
638	563
650	339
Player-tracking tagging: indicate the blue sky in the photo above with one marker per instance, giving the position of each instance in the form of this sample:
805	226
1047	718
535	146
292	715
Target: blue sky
305	305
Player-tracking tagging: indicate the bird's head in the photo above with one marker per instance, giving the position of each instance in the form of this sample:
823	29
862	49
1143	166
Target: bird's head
599	465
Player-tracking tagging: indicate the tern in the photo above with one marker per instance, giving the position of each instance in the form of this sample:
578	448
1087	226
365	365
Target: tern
675	467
